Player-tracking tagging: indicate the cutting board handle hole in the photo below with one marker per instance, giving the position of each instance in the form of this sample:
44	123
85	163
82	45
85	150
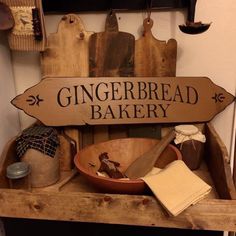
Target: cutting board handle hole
147	24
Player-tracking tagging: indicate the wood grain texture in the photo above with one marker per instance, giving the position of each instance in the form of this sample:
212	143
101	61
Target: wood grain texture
65	154
112	209
87	136
154	57
111	53
67	50
67	55
78	202
217	159
122	100
157	58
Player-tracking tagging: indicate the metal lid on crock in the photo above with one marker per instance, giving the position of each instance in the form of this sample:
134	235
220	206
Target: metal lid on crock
18	170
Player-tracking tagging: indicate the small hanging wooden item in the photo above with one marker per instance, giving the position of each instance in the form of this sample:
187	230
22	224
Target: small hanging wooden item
38	147
28	33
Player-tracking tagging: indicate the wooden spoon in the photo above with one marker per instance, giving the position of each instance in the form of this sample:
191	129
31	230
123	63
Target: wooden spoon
143	164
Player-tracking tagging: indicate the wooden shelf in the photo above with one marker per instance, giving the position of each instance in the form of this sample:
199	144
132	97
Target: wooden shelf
62	6
210	214
79	201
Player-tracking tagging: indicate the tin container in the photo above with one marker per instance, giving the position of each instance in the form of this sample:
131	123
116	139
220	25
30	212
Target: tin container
18	175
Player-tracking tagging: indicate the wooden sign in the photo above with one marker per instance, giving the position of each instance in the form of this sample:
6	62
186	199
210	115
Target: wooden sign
123	100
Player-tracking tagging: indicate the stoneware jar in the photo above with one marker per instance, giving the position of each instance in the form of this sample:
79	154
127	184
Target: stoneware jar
190	142
38	146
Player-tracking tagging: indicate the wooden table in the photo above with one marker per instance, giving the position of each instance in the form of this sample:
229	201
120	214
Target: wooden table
78	201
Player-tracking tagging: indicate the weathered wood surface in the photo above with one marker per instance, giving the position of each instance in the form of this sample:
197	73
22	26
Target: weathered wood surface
67	55
123	100
78	202
116	209
69	145
111	53
154	58
87	136
218	162
67	50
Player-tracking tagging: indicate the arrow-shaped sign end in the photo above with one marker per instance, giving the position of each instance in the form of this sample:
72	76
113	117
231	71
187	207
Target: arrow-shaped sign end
16	102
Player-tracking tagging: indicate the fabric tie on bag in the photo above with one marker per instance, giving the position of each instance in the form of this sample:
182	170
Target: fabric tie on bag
177	187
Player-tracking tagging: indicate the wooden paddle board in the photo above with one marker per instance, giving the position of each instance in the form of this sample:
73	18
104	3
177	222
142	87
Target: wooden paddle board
67	51
111	53
67	55
154	58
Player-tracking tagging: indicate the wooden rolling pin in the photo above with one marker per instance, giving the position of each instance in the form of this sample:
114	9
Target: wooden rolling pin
143	164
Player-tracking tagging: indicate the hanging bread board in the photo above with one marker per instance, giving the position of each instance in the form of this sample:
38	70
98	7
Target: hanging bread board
67	51
111	53
66	55
123	100
152	58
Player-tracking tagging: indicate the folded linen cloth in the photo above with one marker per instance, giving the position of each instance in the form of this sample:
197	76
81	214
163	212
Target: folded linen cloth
177	187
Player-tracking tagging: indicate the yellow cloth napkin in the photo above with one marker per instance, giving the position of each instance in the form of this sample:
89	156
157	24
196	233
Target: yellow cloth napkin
177	187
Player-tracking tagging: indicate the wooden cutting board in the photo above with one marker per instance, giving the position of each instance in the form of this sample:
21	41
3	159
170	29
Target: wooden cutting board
111	53
153	58
67	56
67	51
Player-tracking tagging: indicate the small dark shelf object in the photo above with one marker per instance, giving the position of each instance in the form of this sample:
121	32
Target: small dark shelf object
192	27
66	6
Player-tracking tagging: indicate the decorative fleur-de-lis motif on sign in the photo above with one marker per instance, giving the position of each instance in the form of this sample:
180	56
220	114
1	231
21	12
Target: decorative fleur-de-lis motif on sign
34	100
218	97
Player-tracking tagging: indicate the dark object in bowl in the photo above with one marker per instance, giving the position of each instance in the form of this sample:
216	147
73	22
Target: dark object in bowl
124	151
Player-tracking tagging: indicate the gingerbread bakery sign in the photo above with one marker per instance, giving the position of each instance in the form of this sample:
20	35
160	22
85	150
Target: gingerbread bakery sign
123	100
